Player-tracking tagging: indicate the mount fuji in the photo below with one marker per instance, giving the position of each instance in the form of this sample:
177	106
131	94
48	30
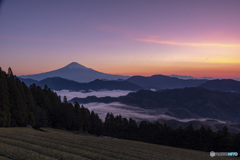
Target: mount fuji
76	72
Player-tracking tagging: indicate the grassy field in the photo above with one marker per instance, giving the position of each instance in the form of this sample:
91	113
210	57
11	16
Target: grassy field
27	143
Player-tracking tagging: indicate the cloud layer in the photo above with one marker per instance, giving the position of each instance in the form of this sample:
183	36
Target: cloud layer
134	112
126	111
103	93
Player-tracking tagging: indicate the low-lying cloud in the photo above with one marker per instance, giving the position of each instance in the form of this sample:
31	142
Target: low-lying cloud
126	111
137	113
101	93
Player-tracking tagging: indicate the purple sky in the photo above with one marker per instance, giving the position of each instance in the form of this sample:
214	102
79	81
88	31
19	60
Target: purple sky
141	37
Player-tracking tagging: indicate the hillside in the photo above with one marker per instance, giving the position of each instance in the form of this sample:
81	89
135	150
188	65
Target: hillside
199	101
27	143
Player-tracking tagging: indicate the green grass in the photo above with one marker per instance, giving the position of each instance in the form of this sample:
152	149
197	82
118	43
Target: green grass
27	143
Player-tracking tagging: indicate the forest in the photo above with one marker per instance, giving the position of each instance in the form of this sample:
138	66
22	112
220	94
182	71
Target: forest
41	107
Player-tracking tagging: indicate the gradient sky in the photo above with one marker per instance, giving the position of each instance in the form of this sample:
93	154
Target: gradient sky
128	37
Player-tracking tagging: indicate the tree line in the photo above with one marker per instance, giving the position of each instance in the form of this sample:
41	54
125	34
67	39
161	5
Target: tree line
200	139
41	107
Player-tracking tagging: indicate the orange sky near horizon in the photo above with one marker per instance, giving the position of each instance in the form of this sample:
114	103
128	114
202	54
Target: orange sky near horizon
214	70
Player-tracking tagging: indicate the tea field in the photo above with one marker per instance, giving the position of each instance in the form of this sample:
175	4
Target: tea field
30	144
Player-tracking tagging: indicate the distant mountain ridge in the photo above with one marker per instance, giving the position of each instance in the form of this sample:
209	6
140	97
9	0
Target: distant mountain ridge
182	77
164	82
204	77
75	72
78	73
158	82
224	85
58	83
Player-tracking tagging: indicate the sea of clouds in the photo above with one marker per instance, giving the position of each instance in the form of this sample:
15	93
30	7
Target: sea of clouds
101	93
134	112
126	111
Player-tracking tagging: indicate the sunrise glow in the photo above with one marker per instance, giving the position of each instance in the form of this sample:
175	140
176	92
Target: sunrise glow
188	44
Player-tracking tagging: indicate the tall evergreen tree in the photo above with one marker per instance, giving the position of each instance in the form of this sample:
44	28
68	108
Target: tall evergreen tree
132	126
78	122
31	106
96	124
85	114
5	116
17	101
10	73
65	99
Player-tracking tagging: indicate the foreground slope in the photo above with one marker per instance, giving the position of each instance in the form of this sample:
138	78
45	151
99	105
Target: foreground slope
27	143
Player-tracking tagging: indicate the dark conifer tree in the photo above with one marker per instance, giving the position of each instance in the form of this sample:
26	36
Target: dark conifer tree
5	116
10	73
65	99
200	145
106	127
179	136
17	101
143	131
85	114
125	129
223	140
133	128
210	140
41	118
31	106
78	122
96	124
189	139
119	126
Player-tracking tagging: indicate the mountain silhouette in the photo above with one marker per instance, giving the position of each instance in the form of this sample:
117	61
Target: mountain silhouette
58	83
76	72
164	82
225	85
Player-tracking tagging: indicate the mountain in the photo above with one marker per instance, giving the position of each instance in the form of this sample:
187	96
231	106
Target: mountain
28	81
58	83
225	85
190	77
113	85
208	78
75	72
164	82
184	103
91	99
198	101
182	77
